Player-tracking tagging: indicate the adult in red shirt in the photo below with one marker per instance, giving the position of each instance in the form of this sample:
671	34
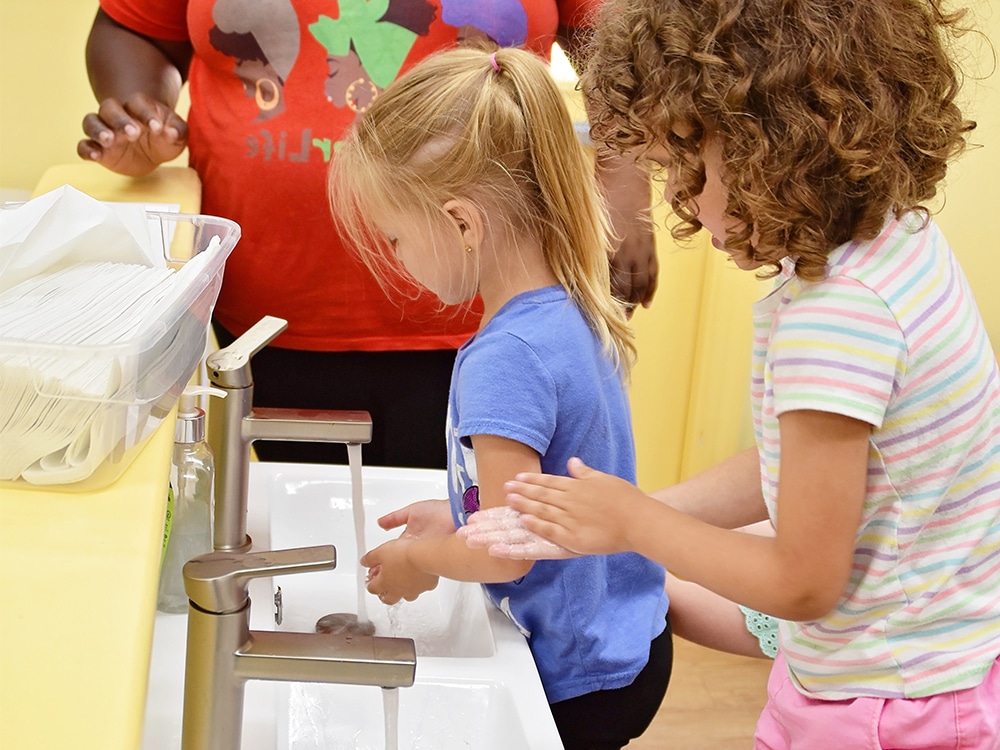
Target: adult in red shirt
273	86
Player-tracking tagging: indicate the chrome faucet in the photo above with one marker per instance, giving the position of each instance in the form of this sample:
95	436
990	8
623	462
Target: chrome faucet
234	424
223	653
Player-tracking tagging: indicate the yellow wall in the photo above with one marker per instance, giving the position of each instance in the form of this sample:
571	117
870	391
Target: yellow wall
689	387
969	215
44	92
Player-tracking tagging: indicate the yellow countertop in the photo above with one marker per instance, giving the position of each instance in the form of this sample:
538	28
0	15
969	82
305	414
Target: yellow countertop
79	570
78	580
173	185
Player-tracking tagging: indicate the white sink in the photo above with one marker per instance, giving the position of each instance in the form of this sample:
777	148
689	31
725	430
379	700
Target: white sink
476	683
312	505
433	715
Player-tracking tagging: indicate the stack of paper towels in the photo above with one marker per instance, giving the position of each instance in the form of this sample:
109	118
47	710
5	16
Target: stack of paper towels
98	334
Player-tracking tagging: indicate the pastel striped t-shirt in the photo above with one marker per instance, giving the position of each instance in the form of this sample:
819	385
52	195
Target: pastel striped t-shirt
892	337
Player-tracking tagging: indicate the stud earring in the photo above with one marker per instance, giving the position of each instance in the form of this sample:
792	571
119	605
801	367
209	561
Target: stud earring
468	249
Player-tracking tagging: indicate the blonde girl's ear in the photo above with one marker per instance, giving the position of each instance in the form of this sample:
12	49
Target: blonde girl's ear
468	222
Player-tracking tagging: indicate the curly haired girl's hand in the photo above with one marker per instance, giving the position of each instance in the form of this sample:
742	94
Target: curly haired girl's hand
588	512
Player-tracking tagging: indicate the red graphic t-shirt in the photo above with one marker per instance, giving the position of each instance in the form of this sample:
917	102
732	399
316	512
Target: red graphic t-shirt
274	84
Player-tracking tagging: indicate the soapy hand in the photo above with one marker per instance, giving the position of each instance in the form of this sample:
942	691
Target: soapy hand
501	532
588	512
133	137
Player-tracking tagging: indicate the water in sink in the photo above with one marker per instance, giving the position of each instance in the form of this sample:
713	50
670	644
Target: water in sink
314	506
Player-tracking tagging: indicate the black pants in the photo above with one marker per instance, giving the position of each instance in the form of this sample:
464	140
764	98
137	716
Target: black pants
608	719
405	392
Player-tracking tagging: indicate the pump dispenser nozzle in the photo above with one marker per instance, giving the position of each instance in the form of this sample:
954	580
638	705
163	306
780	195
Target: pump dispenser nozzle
191	417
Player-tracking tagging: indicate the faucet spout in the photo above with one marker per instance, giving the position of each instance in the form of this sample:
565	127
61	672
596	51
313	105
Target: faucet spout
235	424
223	653
308	425
318	657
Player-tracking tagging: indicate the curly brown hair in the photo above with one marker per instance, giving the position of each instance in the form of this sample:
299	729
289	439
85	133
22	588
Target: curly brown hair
832	113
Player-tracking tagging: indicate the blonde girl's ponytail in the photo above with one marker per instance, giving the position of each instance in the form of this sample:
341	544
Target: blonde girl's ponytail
576	232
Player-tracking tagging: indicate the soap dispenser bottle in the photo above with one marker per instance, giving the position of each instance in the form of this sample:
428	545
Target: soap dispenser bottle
189	521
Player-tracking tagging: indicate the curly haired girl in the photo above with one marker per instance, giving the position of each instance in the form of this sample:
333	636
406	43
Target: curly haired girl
807	137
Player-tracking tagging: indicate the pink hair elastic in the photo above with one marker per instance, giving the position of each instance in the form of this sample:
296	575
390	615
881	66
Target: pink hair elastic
494	63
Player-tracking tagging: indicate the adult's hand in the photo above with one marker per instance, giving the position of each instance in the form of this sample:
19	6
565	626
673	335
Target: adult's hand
133	137
634	265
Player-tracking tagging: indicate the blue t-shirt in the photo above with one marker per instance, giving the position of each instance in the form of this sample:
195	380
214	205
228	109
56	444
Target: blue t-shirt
536	374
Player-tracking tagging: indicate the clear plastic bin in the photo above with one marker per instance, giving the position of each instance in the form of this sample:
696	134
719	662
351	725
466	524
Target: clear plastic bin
152	367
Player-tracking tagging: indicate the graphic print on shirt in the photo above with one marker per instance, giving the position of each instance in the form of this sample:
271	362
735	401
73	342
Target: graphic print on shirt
263	37
470	500
365	44
505	608
462	469
502	21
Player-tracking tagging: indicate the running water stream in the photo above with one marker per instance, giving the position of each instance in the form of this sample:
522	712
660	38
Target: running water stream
390	696
390	707
360	624
344	622
358	507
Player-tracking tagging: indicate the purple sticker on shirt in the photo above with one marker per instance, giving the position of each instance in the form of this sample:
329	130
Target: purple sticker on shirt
470	500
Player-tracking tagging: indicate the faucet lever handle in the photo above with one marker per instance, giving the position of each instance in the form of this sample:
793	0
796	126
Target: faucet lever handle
228	368
217	581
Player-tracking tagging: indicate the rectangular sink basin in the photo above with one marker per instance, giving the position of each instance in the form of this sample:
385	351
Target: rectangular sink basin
476	686
313	506
436	715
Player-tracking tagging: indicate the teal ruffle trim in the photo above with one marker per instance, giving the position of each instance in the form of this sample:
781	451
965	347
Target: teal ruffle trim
764	628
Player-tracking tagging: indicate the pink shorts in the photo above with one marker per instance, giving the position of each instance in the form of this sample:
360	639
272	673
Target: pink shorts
962	720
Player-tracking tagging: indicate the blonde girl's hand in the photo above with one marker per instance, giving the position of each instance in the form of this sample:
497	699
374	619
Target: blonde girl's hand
588	512
501	532
133	137
391	576
420	519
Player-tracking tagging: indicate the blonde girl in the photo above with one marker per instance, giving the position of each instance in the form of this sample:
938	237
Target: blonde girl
466	178
808	136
